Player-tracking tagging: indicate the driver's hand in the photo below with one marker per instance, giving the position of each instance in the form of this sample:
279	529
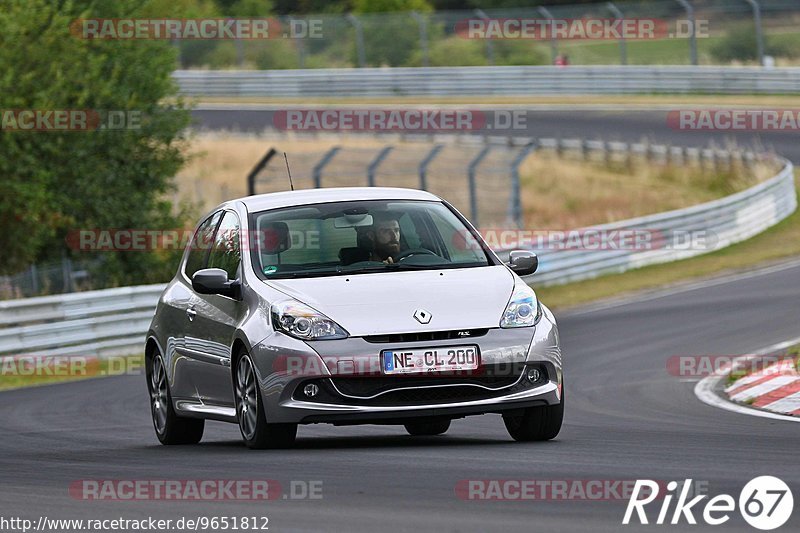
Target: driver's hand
389	260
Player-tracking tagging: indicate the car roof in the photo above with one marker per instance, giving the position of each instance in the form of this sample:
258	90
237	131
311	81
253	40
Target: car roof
263	202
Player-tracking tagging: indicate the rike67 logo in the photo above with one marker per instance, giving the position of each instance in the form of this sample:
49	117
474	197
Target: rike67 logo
765	503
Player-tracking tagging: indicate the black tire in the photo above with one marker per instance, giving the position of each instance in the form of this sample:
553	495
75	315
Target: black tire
170	428
427	428
256	432
536	423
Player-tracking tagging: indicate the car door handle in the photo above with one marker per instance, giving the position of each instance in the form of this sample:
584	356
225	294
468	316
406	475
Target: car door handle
191	313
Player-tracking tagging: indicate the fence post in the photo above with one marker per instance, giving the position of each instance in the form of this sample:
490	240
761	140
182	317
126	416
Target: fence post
489	43
299	44
473	193
623	50
693	37
34	280
516	198
423	37
373	166
546	13
316	173
759	29
423	166
251	177
66	273
359	29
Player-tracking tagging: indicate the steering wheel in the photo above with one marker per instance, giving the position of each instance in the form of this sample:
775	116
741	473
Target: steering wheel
413	251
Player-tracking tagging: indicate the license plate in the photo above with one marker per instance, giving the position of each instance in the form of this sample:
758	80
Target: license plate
427	360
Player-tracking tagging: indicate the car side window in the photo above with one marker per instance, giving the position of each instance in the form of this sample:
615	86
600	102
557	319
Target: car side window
201	244
226	252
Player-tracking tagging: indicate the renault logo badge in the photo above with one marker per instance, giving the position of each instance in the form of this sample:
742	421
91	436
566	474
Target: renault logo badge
422	316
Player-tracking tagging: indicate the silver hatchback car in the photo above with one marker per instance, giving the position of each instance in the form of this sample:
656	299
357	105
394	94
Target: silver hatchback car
349	306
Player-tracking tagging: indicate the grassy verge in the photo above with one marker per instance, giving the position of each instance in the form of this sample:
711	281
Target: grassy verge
44	370
779	242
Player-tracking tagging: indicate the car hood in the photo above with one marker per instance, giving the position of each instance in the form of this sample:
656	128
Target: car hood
385	303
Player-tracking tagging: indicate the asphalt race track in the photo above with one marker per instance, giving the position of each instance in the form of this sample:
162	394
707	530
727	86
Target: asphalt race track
626	418
607	123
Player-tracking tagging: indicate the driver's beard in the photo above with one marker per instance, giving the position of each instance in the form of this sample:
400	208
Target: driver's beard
386	250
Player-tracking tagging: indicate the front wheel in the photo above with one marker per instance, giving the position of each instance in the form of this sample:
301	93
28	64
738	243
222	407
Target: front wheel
536	423
170	428
256	432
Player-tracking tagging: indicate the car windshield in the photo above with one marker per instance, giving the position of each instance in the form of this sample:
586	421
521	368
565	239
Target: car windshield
362	237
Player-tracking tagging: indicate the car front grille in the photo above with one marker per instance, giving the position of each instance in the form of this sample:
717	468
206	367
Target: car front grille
391	391
364	387
422	336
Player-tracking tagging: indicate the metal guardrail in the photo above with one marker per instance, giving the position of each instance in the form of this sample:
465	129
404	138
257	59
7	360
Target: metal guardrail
488	81
105	322
114	321
726	221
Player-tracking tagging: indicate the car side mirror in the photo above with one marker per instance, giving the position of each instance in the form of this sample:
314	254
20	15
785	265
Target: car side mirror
215	281
523	262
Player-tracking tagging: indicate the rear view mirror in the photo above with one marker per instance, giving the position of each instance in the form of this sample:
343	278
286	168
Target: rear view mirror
355	220
215	281
523	262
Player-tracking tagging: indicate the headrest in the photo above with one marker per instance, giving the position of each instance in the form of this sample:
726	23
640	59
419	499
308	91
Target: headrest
275	238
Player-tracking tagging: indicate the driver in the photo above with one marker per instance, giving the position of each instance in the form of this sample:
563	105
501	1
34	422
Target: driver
385	237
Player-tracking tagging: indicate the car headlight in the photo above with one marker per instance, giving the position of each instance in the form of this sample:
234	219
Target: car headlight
302	322
523	308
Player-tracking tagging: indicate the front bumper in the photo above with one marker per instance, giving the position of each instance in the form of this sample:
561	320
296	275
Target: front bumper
284	365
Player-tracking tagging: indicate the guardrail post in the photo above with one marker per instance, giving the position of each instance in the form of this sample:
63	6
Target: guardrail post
423	166
759	29
693	37
359	29
489	43
422	21
251	177
473	193
316	173
623	50
373	166
515	207
553	41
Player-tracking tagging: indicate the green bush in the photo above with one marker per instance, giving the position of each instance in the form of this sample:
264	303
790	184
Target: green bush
56	182
740	44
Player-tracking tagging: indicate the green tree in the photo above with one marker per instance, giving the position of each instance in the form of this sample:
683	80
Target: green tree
54	182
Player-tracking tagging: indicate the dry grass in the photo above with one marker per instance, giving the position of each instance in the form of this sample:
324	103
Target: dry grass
219	163
558	192
561	193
